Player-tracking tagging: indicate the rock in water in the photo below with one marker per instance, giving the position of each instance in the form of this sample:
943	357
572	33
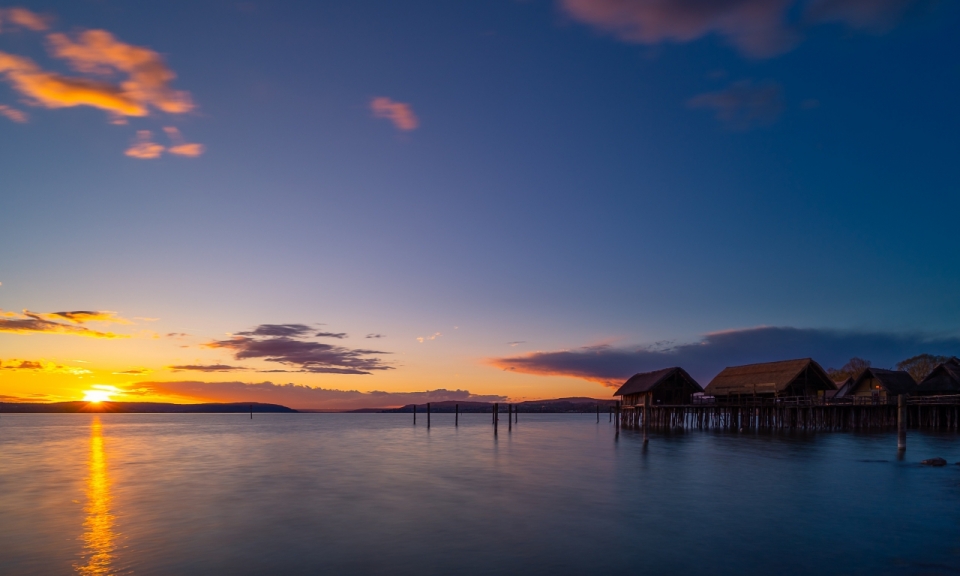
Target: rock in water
934	462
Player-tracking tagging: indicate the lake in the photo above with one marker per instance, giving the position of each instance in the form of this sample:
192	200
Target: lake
371	493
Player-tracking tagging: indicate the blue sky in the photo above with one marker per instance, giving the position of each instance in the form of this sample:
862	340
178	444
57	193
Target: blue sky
577	176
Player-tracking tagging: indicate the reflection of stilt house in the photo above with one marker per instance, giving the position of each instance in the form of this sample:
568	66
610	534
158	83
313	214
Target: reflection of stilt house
879	384
945	379
668	386
802	377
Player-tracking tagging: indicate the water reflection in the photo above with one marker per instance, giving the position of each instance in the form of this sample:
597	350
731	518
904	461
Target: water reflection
98	534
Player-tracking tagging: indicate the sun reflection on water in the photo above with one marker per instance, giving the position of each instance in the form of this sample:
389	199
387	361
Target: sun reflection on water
98	534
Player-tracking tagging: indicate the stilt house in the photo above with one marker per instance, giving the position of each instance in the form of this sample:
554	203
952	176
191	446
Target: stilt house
945	379
881	384
802	377
667	386
843	388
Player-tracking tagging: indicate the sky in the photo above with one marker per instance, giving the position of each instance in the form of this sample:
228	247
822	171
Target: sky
347	204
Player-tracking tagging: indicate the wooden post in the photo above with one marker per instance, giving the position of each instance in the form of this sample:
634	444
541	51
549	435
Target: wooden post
509	417
428	414
901	423
456	417
251	411
598	412
496	416
414	414
646	417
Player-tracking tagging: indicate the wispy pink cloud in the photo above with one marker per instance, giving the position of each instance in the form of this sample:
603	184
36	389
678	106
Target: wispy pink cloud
399	113
12	114
143	147
24	18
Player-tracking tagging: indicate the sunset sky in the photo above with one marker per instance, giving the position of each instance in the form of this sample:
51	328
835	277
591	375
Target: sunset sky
346	204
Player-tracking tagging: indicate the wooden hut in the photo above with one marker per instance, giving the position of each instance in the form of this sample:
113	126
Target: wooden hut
667	386
843	388
877	383
802	377
945	379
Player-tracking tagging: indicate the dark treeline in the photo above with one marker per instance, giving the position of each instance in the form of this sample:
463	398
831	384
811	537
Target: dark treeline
553	406
139	407
919	367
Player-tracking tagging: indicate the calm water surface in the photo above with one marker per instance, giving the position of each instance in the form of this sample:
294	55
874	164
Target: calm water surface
370	493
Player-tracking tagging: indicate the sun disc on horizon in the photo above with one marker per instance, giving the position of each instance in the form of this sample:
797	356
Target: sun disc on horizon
96	396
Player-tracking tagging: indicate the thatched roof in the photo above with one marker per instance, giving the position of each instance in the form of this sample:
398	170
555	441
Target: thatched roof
647	381
945	379
843	386
768	378
893	381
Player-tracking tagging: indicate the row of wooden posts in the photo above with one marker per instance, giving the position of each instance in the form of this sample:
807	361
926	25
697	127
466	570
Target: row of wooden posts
511	415
811	417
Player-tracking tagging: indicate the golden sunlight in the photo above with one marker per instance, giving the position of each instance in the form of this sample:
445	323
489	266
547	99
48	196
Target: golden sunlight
96	395
98	535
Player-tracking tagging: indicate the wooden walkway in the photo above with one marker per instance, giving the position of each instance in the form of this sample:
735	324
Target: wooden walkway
934	413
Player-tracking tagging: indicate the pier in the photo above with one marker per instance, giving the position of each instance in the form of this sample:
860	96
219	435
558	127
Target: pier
798	413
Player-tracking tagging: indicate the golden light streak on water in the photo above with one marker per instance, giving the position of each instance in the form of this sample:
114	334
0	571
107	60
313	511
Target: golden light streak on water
98	535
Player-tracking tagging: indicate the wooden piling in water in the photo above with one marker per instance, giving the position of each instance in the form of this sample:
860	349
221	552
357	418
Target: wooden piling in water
428	414
496	416
456	415
414	414
509	417
901	423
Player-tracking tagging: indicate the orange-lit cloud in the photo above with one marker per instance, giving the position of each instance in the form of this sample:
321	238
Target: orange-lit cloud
23	18
148	77
399	113
143	147
31	323
180	147
205	368
300	396
51	90
12	114
84	316
41	366
134	372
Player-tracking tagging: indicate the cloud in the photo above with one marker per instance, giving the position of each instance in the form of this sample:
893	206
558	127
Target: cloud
704	359
422	339
24	18
757	28
516	343
399	113
743	105
181	147
84	316
42	366
30	322
144	147
300	396
134	372
340	335
148	77
12	114
205	368
285	344
289	330
374	336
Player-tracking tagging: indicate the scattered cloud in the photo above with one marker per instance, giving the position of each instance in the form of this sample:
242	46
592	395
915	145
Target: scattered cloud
300	396
287	344
743	105
134	372
704	359
42	366
399	113
84	316
205	368
340	335
12	114
30	322
143	146
516	343
757	28
148	77
180	147
374	336
24	19
422	339
177	335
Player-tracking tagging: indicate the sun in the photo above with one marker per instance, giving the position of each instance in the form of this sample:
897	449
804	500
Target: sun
96	396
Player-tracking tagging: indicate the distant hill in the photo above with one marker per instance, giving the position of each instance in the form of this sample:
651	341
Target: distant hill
138	407
553	406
